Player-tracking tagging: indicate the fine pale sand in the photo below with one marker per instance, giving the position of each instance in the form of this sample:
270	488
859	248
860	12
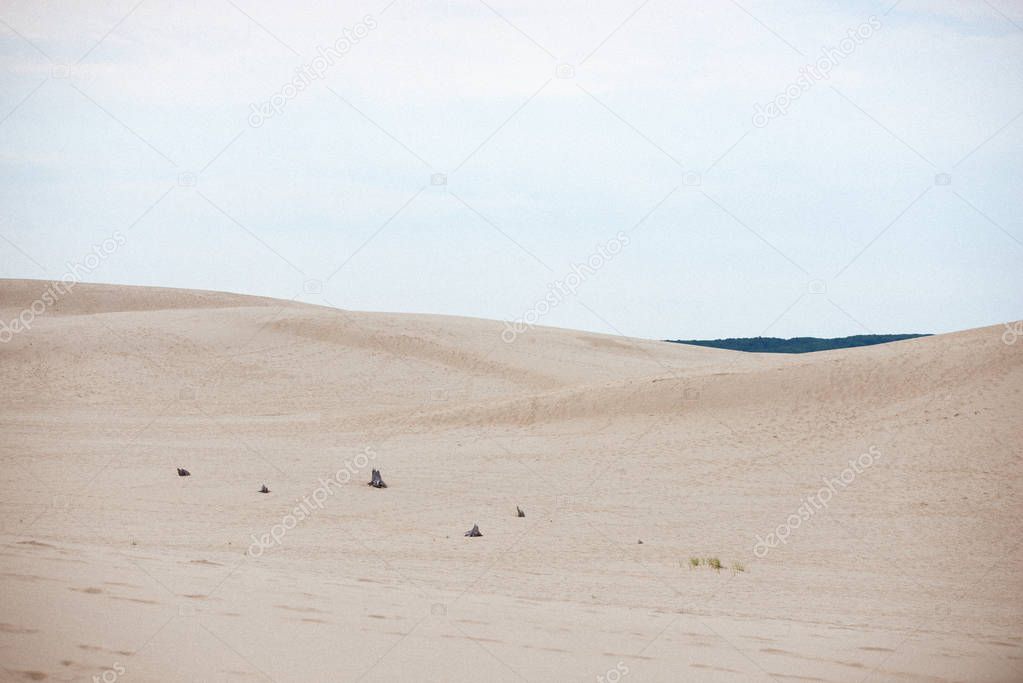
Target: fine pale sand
904	566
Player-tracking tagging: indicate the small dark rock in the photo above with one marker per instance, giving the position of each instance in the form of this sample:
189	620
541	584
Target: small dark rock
183	472
264	489
376	482
521	513
474	531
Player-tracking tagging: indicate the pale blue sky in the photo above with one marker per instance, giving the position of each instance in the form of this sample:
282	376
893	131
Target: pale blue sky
111	109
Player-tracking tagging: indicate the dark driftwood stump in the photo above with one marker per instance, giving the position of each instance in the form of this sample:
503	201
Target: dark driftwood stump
521	513
264	489
183	472
376	481
474	531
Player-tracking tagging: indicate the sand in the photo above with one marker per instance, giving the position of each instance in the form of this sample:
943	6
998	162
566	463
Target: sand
906	566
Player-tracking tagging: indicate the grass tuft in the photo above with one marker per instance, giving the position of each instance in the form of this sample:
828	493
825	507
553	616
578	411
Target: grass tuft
714	563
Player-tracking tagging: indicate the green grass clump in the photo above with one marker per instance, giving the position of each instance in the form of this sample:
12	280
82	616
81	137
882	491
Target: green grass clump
738	567
694	562
714	563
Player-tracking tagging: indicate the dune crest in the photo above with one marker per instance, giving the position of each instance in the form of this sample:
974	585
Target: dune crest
719	461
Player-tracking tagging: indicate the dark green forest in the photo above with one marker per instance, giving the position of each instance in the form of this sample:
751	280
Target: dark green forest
796	344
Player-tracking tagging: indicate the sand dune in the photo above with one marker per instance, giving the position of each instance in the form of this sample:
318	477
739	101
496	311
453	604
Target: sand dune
112	566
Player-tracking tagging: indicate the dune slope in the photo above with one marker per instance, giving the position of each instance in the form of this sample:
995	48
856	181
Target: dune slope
902	565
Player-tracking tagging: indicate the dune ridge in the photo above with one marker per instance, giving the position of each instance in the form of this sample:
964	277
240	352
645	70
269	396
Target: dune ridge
910	572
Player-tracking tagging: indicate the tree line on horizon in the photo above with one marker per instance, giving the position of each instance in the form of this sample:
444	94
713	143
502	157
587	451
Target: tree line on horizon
795	344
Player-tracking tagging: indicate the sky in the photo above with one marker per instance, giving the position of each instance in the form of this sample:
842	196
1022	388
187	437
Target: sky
654	169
